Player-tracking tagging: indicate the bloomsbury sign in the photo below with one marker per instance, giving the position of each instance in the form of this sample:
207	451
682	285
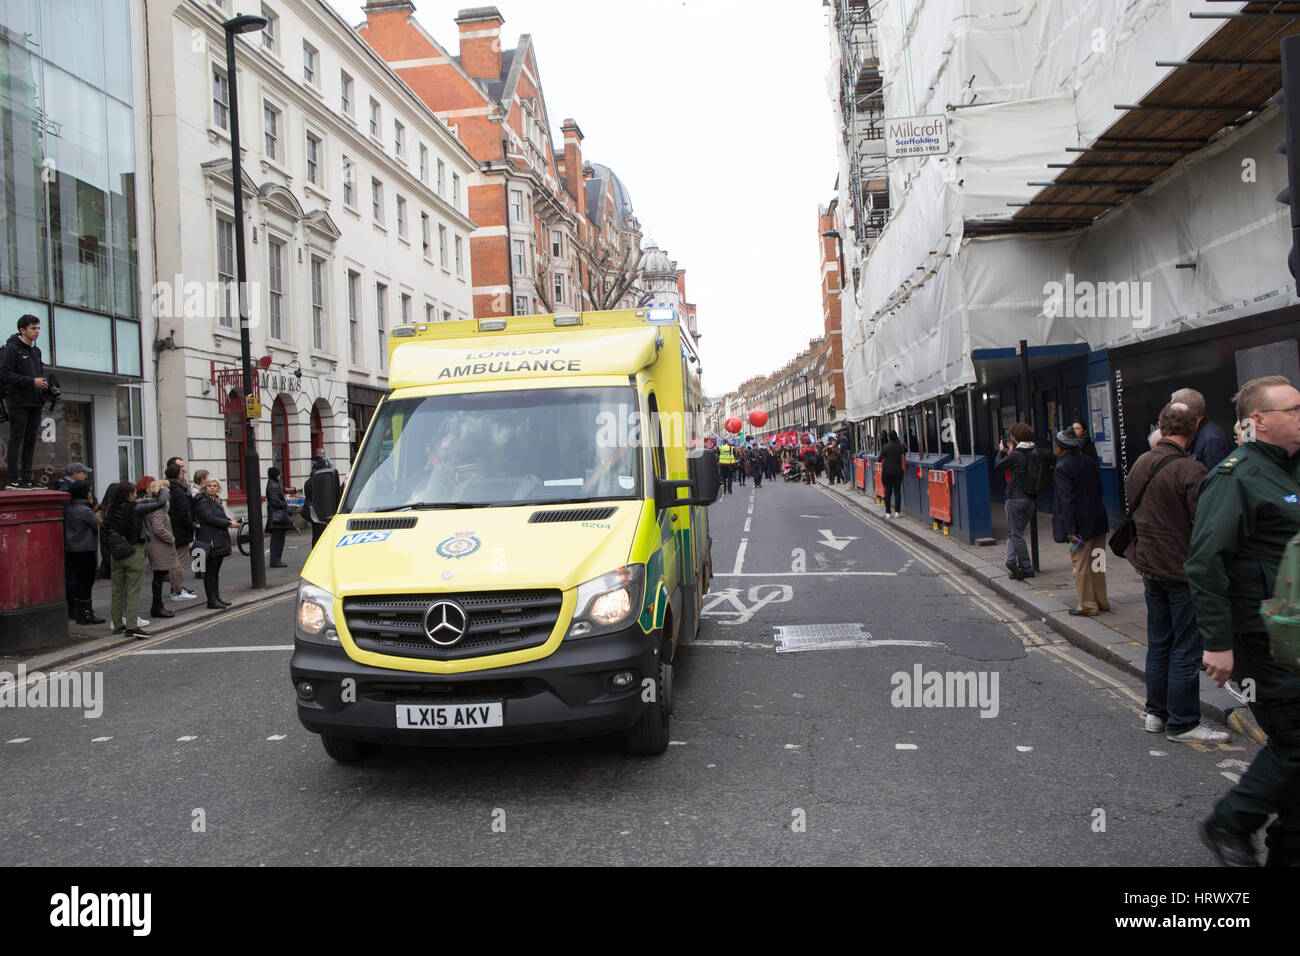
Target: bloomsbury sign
916	136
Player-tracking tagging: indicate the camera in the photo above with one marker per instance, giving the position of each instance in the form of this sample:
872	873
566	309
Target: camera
53	393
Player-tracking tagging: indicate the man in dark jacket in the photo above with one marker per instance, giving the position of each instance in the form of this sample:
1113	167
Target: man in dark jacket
1211	445
891	474
1080	519
1164	526
22	378
1018	504
180	512
1247	511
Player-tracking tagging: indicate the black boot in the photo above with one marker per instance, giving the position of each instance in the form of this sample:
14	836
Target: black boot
158	610
86	613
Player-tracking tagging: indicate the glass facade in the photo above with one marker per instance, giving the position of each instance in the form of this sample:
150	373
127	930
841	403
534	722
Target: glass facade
68	250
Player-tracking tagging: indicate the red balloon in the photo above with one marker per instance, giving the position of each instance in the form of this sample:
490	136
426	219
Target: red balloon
733	425
758	418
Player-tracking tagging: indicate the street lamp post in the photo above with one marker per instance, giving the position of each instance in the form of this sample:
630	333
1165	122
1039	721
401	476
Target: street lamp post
247	23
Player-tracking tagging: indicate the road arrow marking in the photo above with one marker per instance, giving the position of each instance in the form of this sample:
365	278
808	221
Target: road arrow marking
839	544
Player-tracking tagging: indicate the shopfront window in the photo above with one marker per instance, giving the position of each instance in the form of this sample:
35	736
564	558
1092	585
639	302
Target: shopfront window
65	437
235	448
130	434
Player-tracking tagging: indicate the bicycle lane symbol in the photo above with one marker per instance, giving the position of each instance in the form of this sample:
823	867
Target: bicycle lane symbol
759	596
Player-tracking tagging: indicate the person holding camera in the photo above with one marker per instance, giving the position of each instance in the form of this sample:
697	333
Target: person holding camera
26	389
1013	457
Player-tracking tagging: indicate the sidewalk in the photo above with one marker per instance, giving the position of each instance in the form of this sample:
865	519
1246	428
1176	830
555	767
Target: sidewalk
236	575
1118	636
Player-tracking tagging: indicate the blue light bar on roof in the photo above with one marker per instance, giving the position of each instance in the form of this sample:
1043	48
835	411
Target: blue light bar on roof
662	315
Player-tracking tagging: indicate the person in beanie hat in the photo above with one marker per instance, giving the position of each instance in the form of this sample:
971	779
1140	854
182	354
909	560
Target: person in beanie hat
278	519
1079	519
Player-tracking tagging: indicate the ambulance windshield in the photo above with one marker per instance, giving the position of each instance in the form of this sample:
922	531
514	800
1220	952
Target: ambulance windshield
518	447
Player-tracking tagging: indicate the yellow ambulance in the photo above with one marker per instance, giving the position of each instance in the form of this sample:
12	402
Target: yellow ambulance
522	543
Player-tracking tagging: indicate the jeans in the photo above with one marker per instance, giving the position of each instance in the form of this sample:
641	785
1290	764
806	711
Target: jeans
1272	784
1173	655
24	426
1019	511
893	492
728	474
128	579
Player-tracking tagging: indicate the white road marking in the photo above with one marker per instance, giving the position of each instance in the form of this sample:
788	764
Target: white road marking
676	743
812	516
839	544
100	740
18	740
792	746
1157	753
766	647
740	557
905	746
217	650
187	737
747	521
802	574
1023	750
276	737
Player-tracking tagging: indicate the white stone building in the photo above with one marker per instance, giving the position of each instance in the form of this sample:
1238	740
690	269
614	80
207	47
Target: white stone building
355	202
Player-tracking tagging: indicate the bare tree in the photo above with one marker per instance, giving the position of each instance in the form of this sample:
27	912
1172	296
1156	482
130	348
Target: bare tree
612	272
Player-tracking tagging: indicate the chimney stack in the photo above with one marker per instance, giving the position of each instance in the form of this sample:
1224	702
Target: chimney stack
480	42
573	178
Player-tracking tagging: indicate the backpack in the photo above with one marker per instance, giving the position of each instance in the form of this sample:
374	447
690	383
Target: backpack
1038	470
1281	616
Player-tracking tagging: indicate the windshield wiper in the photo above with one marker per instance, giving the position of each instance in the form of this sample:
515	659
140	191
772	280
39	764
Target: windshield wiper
432	506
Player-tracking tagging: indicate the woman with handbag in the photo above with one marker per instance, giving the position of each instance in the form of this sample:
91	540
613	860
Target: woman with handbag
161	546
212	534
278	519
126	535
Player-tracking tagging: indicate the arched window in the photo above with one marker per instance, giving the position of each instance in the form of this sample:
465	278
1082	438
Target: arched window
235	448
280	439
317	430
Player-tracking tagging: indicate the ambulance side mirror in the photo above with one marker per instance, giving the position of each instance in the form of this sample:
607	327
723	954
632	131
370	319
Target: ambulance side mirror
704	483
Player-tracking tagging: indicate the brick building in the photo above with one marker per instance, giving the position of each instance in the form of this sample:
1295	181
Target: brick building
553	233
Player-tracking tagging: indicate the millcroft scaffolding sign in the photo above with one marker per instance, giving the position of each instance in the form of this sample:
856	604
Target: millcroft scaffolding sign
916	136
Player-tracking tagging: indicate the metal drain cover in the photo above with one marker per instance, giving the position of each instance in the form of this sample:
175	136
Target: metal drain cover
828	637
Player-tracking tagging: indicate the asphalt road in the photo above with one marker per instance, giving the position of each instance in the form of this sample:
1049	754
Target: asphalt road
785	750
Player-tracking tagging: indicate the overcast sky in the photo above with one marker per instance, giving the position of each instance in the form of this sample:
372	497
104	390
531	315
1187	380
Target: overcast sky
715	115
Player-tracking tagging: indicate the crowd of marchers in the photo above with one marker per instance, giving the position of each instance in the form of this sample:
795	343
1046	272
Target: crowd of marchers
809	460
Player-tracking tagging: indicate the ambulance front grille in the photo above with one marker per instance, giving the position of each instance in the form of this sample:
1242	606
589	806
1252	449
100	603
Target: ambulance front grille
499	622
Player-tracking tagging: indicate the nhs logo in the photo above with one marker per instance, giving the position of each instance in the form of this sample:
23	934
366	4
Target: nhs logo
362	537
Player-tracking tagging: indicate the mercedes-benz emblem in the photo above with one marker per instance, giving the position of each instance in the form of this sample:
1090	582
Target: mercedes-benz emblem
445	622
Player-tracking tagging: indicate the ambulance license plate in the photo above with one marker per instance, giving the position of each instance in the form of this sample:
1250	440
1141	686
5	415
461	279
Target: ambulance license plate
449	716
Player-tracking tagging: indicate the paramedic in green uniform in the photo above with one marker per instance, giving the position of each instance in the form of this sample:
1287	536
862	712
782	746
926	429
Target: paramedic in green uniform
1247	510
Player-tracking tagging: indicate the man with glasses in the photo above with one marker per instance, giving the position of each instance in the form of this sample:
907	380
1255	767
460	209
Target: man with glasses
1248	508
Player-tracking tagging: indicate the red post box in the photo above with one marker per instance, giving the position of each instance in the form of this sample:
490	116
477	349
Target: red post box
33	604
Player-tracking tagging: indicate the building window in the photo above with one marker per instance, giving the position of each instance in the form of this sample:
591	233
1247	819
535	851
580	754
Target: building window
521	305
455	190
377	200
309	58
318	303
349	174
425	232
442	246
557	243
406	309
460	257
236	446
275	282
516	206
345	97
381	293
271	126
317	429
226	270
401	217
442	175
430	312
518	246
220	99
130	433
280	439
374	117
313	159
446	315
424	163
399	138
271	32
559	287
354	316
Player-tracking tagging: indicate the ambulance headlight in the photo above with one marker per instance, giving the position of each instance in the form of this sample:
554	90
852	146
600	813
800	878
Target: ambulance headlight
314	617
609	602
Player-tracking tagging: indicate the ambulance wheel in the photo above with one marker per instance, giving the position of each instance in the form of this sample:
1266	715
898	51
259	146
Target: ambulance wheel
649	735
345	750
